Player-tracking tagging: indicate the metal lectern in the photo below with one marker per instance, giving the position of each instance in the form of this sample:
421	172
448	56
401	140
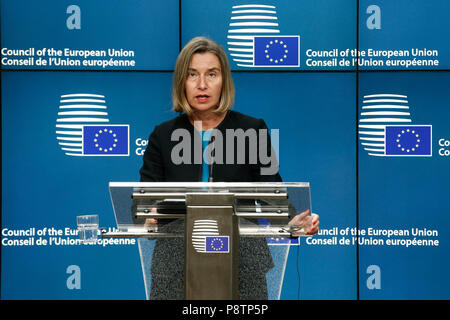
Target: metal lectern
214	216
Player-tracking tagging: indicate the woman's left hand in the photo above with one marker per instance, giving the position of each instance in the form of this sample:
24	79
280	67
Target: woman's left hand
308	224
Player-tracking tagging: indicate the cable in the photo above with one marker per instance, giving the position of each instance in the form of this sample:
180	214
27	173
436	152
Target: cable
298	269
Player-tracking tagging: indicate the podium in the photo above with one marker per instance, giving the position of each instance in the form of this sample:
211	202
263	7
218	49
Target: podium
211	221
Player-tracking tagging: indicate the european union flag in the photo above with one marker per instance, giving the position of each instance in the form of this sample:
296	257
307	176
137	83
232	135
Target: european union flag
106	140
218	244
278	51
408	140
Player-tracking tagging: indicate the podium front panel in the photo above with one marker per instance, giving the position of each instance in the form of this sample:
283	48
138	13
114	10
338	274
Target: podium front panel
183	253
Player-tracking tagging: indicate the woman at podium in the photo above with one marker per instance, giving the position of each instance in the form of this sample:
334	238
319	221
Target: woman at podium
177	151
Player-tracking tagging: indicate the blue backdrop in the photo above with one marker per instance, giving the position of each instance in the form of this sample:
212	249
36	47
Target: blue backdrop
331	113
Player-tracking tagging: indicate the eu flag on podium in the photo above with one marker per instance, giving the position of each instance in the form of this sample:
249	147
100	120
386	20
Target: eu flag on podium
276	51
106	140
414	140
218	244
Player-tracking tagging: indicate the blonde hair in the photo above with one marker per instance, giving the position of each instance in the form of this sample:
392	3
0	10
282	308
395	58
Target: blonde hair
201	45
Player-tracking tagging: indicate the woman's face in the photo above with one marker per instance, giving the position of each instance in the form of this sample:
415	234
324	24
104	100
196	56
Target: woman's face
204	82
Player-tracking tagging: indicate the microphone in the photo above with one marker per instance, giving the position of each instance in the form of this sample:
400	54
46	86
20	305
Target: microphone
213	153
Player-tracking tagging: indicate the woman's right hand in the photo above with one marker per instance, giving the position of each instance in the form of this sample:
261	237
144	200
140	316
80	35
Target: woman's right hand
151	224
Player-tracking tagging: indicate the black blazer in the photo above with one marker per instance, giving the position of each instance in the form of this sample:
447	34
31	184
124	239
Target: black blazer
168	256
159	167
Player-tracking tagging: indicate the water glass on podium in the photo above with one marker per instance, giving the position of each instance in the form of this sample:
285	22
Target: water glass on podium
87	226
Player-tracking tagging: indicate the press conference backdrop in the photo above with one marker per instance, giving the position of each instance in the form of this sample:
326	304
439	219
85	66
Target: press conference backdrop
369	134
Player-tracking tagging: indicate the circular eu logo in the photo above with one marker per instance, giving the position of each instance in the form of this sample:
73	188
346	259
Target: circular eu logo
217	244
408	140
105	140
276	51
75	111
379	111
246	22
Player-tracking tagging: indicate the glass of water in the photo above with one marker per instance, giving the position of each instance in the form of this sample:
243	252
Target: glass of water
88	228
